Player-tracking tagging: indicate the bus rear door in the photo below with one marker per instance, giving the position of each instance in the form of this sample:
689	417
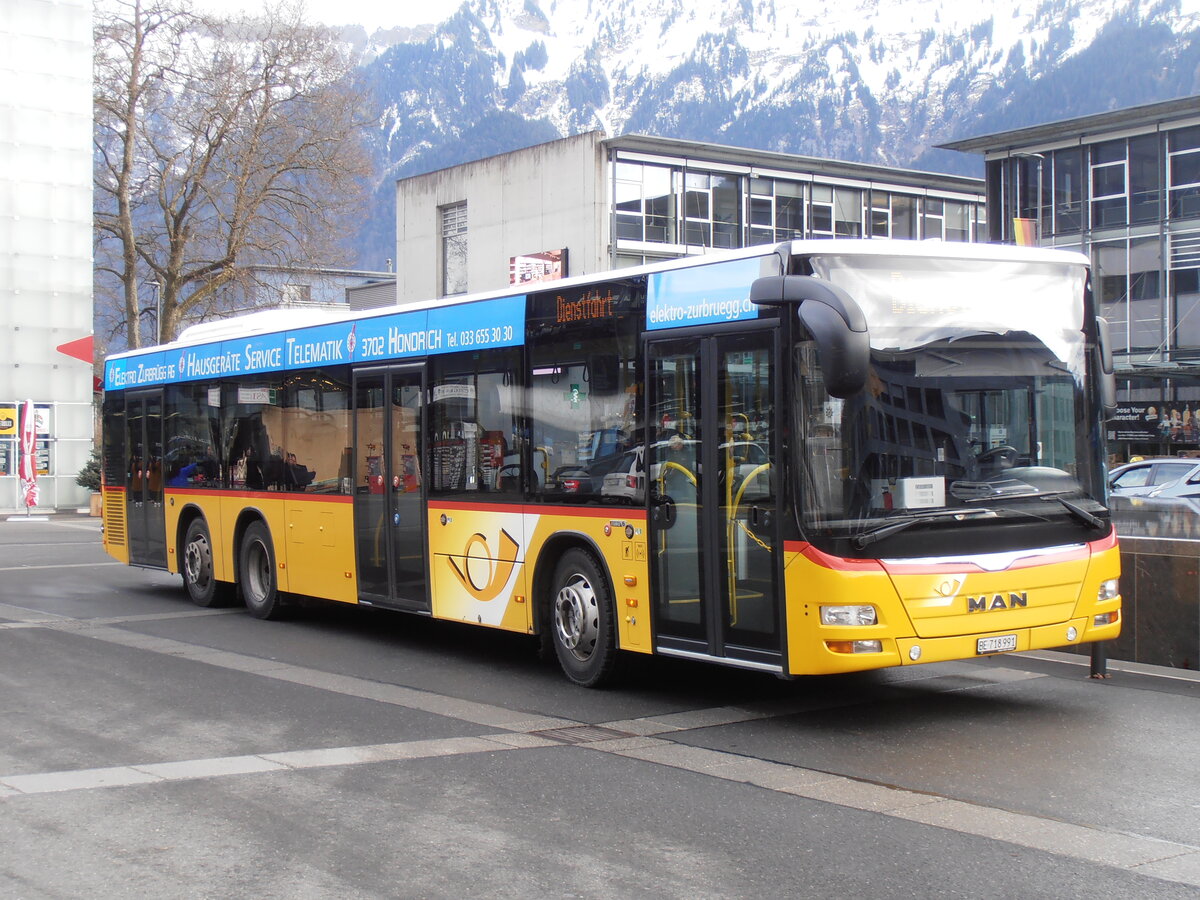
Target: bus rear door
144	479
712	483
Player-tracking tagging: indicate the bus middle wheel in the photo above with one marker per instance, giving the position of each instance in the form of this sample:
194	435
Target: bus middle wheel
256	573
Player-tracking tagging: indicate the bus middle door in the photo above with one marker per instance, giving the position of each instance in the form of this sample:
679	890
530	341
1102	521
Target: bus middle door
389	489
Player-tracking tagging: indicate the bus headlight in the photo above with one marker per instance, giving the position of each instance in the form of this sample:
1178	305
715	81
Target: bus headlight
1109	590
848	615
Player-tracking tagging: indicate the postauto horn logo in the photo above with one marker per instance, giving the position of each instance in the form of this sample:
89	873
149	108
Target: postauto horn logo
483	573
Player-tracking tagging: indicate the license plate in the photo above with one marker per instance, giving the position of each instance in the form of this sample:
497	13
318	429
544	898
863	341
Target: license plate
998	644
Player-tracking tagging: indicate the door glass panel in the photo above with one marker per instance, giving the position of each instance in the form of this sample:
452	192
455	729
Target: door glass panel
747	492
156	527
407	513
675	488
370	500
135	476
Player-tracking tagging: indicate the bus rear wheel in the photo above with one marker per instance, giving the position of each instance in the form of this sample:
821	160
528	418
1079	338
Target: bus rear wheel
581	620
256	573
197	558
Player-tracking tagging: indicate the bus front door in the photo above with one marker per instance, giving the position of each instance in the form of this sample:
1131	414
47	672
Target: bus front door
144	479
389	490
712	484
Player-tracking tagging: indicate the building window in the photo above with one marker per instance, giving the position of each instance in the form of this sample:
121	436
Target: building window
1068	190
776	210
881	214
933	218
1108	184
1183	162
904	216
847	212
711	205
454	249
1185	296
1127	275
957	221
644	203
1145	179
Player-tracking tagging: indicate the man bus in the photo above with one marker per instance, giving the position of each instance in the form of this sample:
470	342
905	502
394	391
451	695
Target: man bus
819	457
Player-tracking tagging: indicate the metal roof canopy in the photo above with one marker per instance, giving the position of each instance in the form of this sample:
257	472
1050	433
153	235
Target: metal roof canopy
1083	126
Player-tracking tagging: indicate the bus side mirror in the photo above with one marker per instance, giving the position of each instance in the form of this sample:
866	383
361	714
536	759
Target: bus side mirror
834	320
1108	378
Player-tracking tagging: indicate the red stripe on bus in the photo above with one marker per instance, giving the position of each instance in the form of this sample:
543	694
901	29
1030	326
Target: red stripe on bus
261	495
614	512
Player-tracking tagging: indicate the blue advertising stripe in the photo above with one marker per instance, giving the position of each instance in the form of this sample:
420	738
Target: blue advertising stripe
481	325
702	295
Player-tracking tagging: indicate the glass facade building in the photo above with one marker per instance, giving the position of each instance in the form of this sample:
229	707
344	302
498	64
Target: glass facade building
673	198
1124	188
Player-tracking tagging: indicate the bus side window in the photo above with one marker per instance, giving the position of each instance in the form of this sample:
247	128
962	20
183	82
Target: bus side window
474	444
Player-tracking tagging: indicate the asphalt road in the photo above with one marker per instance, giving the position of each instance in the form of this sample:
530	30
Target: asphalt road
152	749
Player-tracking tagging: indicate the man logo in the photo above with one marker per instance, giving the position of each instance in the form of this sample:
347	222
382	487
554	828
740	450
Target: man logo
483	574
987	603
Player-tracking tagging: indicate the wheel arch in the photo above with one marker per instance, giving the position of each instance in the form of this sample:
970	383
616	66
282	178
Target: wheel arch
247	517
190	513
543	573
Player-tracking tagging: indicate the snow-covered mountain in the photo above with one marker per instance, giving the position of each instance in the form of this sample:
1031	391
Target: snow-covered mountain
878	81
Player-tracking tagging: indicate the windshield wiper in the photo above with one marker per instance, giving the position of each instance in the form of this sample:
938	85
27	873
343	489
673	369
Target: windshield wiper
887	529
1079	512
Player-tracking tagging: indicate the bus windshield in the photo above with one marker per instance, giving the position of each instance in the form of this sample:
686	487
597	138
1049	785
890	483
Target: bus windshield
976	412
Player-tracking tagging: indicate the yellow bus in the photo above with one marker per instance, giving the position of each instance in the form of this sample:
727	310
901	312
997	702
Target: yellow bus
815	457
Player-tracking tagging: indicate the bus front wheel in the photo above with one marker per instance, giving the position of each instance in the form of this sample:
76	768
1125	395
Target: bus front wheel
256	573
581	619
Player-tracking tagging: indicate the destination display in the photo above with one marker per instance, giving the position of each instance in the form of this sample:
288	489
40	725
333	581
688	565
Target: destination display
445	329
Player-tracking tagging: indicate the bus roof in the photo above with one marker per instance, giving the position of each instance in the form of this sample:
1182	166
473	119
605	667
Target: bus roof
274	321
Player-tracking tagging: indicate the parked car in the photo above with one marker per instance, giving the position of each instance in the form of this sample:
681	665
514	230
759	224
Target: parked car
1186	487
1142	478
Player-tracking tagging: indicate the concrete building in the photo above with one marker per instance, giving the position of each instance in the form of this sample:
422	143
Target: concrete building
588	203
1123	187
46	239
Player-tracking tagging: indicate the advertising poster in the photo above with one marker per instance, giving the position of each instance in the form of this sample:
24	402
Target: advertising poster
1173	421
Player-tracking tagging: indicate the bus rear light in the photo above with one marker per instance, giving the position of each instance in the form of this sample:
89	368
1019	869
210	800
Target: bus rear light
1106	618
848	615
855	646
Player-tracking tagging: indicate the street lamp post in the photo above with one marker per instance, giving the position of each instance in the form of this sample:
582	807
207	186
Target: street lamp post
157	285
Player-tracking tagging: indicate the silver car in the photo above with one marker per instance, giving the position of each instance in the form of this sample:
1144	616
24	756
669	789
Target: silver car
1145	478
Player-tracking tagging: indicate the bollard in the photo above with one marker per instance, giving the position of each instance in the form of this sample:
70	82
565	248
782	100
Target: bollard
1099	660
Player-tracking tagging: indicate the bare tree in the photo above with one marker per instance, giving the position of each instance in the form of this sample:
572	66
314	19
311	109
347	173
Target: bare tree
219	146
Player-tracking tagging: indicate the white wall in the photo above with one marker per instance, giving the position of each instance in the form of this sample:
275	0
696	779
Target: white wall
45	228
546	197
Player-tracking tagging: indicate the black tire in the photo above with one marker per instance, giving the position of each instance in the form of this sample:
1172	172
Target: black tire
581	620
196	567
256	573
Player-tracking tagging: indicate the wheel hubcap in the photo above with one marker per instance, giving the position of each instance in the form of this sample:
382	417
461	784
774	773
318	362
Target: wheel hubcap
258	572
197	562
577	618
